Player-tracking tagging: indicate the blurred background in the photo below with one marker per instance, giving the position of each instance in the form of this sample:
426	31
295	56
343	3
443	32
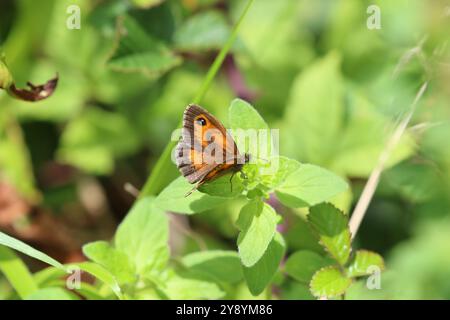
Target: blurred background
317	70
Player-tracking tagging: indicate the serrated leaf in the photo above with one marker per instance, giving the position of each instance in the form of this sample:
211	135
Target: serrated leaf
115	261
364	262
309	185
257	222
143	236
219	265
302	265
262	272
138	51
329	282
331	226
173	198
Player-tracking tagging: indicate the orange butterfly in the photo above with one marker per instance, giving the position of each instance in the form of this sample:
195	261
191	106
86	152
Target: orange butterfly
206	150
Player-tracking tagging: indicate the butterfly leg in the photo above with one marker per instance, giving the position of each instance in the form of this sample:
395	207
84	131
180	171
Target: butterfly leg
194	188
190	191
231	181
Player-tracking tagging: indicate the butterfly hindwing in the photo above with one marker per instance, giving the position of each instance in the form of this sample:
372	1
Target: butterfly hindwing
193	172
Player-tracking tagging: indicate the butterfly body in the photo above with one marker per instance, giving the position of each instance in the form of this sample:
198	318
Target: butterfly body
206	150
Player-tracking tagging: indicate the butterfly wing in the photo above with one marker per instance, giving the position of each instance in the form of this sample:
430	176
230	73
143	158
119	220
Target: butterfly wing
191	171
200	130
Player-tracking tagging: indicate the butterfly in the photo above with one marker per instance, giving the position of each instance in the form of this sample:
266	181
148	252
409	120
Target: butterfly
206	150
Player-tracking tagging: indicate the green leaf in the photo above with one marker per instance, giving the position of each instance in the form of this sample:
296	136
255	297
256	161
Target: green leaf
181	288
285	167
173	197
16	272
52	294
222	266
48	276
138	51
112	259
247	125
330	224
262	272
224	187
257	222
203	31
28	250
143	236
329	282
100	273
309	185
242	115
363	262
315	111
302	265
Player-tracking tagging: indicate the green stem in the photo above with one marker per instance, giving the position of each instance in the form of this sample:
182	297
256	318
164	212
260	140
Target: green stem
154	182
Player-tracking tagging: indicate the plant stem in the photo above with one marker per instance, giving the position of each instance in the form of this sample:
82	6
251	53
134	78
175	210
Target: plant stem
154	182
372	183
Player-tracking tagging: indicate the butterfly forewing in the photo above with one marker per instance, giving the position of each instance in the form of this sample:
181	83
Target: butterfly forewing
205	148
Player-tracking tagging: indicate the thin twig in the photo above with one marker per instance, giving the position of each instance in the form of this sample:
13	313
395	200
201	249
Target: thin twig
372	183
408	55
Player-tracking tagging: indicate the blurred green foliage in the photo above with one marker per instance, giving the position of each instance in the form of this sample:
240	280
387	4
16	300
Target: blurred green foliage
313	69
